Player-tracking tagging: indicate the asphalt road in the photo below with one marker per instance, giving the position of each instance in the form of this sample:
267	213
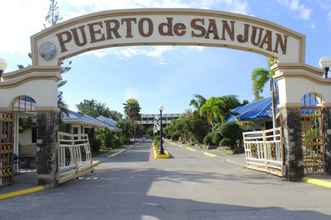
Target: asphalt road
190	186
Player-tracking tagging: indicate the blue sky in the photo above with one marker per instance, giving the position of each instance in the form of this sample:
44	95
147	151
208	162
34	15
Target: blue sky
166	76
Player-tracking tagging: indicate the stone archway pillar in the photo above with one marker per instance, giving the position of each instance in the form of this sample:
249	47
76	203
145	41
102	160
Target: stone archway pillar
327	113
48	124
294	81
293	151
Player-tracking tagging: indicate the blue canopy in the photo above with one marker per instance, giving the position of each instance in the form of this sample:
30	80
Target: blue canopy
260	109
71	117
111	123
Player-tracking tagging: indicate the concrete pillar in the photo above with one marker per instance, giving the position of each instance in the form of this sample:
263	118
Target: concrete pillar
291	123
46	160
327	117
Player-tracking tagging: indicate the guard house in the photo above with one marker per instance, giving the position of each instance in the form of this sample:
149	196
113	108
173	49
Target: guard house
26	132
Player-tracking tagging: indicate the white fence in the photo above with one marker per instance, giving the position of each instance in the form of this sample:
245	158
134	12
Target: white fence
264	150
74	156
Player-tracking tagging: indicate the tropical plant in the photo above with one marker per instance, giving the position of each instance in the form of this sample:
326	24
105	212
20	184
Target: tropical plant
197	102
208	139
260	77
232	132
229	102
132	109
212	111
94	108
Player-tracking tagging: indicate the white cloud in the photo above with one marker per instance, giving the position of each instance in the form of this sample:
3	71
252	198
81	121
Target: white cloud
80	7
20	19
299	8
23	18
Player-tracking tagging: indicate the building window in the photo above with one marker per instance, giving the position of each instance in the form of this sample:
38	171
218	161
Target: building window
311	100
24	104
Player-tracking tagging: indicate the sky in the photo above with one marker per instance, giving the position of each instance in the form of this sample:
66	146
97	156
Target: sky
162	75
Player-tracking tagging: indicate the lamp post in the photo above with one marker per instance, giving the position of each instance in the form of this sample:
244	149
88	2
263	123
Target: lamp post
161	131
3	66
325	64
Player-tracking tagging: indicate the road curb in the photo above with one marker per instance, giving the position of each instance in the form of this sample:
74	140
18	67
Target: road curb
22	192
209	154
194	150
157	156
318	182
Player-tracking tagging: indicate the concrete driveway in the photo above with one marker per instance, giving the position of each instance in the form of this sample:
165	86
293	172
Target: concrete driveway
190	186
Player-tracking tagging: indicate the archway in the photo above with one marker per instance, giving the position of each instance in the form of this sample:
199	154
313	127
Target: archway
166	27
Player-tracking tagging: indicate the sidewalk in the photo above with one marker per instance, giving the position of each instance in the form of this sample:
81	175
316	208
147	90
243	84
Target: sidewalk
21	181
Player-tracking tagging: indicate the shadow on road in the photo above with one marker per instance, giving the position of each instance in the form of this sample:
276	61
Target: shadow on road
127	195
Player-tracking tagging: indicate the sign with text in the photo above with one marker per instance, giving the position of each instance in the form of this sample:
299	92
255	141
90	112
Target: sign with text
166	27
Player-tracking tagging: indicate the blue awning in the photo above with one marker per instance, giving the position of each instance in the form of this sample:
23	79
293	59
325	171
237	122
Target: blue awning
258	110
71	117
111	123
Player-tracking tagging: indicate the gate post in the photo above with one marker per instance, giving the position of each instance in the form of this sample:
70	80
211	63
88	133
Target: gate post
48	123
327	117
291	123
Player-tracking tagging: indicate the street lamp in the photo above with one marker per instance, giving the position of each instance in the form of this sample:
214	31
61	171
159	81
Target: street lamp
161	131
325	64
3	66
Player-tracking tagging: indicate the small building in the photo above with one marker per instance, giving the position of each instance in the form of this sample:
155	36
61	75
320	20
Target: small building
72	123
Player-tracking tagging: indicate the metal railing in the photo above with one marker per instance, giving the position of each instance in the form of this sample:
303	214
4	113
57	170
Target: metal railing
74	154
264	150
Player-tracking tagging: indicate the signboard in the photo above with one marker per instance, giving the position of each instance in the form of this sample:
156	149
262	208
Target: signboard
166	27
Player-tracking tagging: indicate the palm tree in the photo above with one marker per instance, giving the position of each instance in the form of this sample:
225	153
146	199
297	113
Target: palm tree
212	110
197	102
260	77
132	109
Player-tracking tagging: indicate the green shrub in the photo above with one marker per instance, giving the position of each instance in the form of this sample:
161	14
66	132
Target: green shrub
156	141
233	133
208	139
225	142
216	138
175	136
116	142
124	139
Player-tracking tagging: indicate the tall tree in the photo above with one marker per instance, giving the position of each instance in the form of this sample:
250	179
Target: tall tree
53	15
212	111
132	109
260	77
197	102
228	103
94	108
